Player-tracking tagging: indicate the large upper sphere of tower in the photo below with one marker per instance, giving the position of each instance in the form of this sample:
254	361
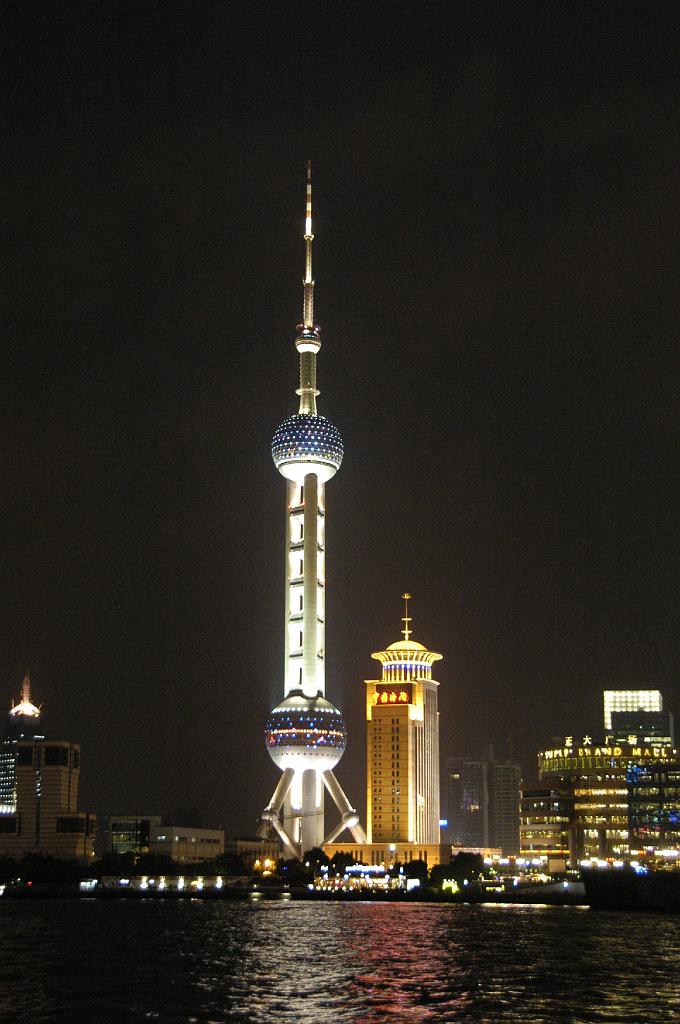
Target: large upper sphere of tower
306	443
305	732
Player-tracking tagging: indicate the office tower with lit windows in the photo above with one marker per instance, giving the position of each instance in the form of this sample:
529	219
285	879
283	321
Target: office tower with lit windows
483	803
403	744
643	727
596	777
23	722
654	807
468	802
546	823
39	789
629	700
504	799
46	818
306	734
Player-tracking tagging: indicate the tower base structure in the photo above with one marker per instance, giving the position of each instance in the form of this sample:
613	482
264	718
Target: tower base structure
294	836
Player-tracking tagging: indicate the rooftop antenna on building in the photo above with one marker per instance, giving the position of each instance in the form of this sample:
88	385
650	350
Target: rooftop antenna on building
406	618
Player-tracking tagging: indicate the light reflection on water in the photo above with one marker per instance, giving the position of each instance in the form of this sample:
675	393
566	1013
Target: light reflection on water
312	963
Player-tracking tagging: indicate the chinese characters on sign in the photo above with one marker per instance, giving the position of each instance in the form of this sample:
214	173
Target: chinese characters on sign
392	695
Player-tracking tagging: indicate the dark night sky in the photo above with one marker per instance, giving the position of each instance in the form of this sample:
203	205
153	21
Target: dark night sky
496	258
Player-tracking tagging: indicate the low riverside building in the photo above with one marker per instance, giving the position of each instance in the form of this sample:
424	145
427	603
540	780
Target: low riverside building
127	833
256	854
483	851
387	854
185	844
145	833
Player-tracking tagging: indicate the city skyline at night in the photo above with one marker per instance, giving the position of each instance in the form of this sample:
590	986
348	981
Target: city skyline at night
498	205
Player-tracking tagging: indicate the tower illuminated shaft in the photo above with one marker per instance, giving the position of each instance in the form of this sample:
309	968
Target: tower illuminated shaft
306	735
305	535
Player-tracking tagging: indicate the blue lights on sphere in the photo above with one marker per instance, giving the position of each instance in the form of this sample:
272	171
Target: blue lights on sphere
306	443
306	732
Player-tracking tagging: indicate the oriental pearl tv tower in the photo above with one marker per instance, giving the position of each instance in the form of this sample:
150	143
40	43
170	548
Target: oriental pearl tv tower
306	734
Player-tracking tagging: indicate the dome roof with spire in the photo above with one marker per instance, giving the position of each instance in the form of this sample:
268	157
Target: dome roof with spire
406	659
406	645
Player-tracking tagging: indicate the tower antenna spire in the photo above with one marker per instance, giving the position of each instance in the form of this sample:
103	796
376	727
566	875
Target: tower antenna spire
406	618
26	688
308	300
308	342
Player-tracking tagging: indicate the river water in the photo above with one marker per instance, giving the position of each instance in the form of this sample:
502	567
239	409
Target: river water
312	963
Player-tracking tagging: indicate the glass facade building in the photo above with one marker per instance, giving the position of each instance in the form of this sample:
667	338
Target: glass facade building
629	700
644	727
546	817
596	778
484	803
654	806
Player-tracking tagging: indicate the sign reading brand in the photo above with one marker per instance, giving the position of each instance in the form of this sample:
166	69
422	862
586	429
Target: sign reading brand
385	694
662	753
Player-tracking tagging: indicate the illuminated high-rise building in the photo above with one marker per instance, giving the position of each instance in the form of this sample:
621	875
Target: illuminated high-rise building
39	789
46	817
23	722
643	727
594	777
403	744
629	700
654	807
306	734
483	803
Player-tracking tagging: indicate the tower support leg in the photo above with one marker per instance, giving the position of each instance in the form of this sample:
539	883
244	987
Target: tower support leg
349	819
270	815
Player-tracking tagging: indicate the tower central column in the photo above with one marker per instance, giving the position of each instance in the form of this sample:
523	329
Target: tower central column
312	672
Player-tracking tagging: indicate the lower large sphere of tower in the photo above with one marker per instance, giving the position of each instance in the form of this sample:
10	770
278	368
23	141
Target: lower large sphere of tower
304	444
305	733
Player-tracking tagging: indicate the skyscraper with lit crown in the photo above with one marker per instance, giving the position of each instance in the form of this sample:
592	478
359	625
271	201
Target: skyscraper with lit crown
23	722
306	734
39	789
402	735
